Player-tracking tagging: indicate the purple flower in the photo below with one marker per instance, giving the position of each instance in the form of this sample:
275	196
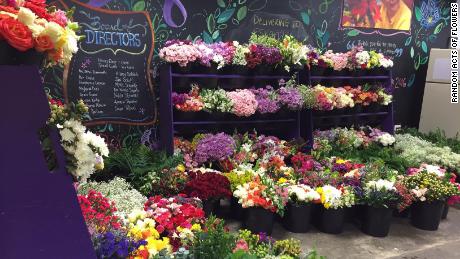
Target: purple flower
290	97
266	99
178	98
214	148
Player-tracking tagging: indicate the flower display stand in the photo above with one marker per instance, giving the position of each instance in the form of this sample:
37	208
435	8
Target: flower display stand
39	213
373	115
283	124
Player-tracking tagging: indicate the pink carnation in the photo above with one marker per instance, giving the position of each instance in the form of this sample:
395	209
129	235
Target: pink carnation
180	52
244	102
241	245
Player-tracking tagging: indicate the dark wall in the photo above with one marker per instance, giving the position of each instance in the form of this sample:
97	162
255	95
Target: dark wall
316	21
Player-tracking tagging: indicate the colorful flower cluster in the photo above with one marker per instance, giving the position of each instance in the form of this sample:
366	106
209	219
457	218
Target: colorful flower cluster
356	58
31	24
214	148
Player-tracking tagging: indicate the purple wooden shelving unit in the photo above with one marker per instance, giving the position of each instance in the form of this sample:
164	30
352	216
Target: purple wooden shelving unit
385	117
297	124
170	124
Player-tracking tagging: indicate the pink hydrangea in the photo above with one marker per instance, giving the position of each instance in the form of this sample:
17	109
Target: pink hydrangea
180	52
244	102
340	61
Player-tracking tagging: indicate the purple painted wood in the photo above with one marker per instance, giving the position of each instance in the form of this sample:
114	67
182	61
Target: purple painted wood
166	110
349	77
230	76
232	122
39	213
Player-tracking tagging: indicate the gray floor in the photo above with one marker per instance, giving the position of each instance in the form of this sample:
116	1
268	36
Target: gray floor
404	241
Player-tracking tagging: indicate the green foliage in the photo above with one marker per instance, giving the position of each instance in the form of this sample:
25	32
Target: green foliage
214	242
264	40
288	247
140	165
313	254
240	254
236	179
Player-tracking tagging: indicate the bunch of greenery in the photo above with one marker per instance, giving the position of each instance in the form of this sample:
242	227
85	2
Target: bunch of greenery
265	40
238	179
141	165
214	242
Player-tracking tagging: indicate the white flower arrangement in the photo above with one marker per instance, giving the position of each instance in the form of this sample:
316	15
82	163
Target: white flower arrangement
417	151
86	149
362	57
127	199
239	57
379	185
386	139
302	193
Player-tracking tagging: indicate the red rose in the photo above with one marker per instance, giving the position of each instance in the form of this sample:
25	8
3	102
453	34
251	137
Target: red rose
8	9
39	10
16	34
43	43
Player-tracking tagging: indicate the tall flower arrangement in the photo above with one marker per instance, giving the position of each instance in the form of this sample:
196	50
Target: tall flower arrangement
31	24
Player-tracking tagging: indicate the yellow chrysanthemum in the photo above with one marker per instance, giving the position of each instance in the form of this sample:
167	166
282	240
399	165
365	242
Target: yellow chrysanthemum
180	168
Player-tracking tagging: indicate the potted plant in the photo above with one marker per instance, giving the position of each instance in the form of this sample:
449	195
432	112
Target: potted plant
209	187
262	198
331	216
380	197
237	177
299	207
430	192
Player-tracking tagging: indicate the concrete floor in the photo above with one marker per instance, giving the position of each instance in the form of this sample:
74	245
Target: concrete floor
404	241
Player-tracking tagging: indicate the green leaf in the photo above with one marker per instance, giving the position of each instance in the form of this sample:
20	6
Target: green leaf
411	52
242	12
215	35
411	80
424	60
221	3
438	28
408	41
418	13
424	47
353	33
325	37
305	18
319	33
241	1
211	24
139	6
222	26
206	37
225	15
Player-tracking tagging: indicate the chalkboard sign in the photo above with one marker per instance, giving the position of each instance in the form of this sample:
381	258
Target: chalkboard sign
111	71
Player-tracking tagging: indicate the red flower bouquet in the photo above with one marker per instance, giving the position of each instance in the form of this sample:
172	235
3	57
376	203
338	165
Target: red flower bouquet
207	186
98	212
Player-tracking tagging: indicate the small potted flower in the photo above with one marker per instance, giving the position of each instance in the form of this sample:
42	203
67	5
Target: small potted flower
209	187
331	216
430	192
381	197
298	209
261	198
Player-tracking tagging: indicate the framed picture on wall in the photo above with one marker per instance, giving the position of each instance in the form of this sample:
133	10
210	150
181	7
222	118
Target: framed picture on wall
377	14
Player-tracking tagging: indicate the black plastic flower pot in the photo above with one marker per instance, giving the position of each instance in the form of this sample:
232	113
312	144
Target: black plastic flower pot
176	68
297	218
264	69
378	71
14	57
377	221
318	71
445	211
259	220
237	212
331	221
427	215
360	72
210	206
401	214
198	68
372	108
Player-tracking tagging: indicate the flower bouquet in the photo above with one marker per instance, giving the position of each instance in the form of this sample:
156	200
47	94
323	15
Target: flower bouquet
298	209
380	196
331	215
262	198
30	31
209	188
214	148
430	192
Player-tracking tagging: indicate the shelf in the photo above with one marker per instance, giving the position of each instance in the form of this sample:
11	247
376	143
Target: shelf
363	114
348	77
232	122
229	76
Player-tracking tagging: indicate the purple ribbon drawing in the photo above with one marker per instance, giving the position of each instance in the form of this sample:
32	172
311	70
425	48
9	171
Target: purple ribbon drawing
167	12
98	3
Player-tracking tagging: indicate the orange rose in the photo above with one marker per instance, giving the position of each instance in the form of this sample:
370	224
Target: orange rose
16	34
43	43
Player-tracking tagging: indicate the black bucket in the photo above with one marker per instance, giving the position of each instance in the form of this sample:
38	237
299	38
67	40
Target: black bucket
445	211
377	221
427	215
210	206
237	212
297	217
259	220
331	221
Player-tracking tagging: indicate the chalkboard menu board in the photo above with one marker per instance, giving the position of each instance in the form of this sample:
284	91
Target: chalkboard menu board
111	71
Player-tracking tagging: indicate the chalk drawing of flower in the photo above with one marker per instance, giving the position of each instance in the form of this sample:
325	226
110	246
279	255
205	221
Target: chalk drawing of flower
430	14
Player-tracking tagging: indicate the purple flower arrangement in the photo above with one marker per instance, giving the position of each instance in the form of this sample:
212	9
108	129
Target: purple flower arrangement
290	97
214	148
115	245
266	99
